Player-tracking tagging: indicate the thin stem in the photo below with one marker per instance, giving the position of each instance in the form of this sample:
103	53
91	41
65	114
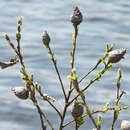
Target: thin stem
57	71
63	116
51	105
85	104
55	109
49	123
95	112
74	45
41	119
72	66
86	87
115	115
90	71
76	125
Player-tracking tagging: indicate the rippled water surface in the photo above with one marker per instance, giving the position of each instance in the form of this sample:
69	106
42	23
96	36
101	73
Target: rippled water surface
104	21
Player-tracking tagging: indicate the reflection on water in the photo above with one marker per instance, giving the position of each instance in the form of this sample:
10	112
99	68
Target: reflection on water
104	21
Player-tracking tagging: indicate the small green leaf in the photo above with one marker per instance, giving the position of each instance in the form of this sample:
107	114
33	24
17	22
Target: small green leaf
109	66
117	106
38	87
80	103
91	80
103	61
119	74
105	110
31	77
69	77
112	46
55	60
99	123
23	71
107	47
71	54
75	76
107	105
88	112
99	76
125	107
80	121
117	114
81	93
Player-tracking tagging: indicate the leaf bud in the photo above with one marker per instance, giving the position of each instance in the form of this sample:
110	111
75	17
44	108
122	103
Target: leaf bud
18	35
6	37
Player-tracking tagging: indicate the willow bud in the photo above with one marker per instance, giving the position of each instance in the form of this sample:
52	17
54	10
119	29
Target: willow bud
21	92
116	55
18	35
76	17
77	110
45	38
6	37
125	125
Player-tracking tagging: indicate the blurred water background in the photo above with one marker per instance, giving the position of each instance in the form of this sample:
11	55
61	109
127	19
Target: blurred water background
104	21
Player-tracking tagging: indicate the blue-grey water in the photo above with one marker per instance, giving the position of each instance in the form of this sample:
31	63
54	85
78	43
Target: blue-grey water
104	21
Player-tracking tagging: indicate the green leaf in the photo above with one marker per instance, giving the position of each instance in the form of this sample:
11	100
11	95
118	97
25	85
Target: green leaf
69	77
71	54
112	46
103	61
80	103
55	60
80	121
119	74
88	112
75	76
23	71
31	77
91	80
38	87
117	106
117	114
81	93
99	76
107	47
99	123
125	107
107	105
109	66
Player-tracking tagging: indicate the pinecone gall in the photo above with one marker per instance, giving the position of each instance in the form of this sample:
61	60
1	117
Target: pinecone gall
21	92
125	125
77	110
116	55
46	38
76	17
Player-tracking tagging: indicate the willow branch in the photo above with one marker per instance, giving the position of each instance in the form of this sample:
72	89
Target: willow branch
57	71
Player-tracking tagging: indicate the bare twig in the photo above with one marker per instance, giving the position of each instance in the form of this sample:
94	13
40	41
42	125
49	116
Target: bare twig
99	61
57	71
72	66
